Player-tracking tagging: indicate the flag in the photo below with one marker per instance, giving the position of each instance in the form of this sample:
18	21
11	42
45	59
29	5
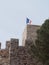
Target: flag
28	21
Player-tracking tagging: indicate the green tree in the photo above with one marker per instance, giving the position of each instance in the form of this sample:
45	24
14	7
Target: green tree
41	49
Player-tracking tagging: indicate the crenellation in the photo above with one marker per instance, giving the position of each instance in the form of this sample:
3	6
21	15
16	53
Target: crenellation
7	45
14	43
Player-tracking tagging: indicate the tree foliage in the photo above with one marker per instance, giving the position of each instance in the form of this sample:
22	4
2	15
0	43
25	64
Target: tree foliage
41	49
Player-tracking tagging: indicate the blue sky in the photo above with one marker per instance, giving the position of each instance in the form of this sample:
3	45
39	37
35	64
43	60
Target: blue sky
13	15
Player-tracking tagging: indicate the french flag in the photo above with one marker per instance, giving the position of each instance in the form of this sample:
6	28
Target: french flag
28	21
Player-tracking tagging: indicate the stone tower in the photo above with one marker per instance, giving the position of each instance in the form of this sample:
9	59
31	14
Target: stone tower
30	33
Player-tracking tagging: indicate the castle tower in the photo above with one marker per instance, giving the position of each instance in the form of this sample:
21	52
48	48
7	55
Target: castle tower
30	33
13	51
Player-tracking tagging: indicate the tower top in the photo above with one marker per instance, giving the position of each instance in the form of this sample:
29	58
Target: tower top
30	33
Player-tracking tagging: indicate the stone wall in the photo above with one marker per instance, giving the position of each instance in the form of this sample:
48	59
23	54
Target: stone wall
19	55
14	54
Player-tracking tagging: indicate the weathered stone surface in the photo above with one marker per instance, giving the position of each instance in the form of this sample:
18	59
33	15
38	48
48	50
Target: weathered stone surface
30	33
4	57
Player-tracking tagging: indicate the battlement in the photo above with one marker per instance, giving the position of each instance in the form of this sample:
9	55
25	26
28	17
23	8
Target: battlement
28	33
14	54
12	40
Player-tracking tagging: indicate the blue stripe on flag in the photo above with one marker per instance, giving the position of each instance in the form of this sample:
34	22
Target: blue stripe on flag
27	20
